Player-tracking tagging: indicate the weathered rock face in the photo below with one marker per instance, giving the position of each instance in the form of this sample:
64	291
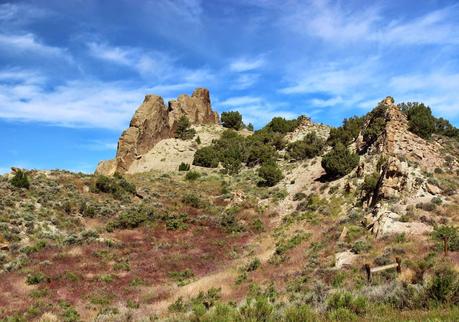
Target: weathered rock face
382	222
153	122
397	140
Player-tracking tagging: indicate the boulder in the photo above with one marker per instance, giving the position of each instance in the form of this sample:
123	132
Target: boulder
345	259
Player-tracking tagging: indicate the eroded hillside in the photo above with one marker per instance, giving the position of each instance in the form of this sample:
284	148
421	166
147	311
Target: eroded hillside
219	223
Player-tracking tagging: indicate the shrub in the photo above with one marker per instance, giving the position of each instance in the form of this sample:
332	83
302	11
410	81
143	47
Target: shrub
370	183
116	185
253	265
183	130
444	285
281	125
270	173
36	278
444	127
307	148
130	219
250	127
20	180
445	234
192	200
232	120
182	277
192	175
346	133
421	121
260	153
339	161
345	300
206	157
176	222
376	120
184	167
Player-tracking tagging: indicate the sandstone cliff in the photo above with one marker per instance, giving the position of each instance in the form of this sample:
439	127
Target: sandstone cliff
153	122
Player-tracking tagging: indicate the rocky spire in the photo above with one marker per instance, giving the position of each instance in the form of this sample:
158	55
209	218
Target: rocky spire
153	122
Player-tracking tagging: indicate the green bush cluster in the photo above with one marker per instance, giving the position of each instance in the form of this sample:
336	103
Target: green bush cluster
183	129
270	174
339	161
375	122
423	123
309	147
116	185
420	118
131	219
347	132
232	120
20	180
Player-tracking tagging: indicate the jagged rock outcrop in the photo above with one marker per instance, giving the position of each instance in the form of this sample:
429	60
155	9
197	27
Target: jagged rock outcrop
383	222
396	140
305	127
153	122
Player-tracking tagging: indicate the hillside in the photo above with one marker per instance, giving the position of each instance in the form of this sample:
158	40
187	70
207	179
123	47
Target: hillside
198	218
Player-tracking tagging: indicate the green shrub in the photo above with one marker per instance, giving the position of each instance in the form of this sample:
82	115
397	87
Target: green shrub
447	235
36	278
444	127
192	200
206	157
116	185
376	121
192	175
253	265
420	118
260	153
360	246
444	286
176	222
281	125
370	183
346	133
307	148
345	300
184	167
339	161
270	173
232	120
182	277
131	219
250	127
20	180
183	130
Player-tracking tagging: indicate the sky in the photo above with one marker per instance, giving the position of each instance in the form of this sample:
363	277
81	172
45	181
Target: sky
73	72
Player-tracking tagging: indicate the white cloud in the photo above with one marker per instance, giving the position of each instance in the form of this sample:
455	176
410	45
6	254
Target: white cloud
29	44
145	63
21	13
333	78
244	81
74	104
437	89
340	24
247	64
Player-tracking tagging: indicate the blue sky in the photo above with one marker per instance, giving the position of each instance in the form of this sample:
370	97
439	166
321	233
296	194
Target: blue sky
73	72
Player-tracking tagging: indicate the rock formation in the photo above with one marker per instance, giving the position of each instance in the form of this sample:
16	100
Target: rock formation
153	122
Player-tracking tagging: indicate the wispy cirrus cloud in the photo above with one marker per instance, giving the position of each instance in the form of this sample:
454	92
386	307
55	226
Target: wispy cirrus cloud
26	44
247	64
